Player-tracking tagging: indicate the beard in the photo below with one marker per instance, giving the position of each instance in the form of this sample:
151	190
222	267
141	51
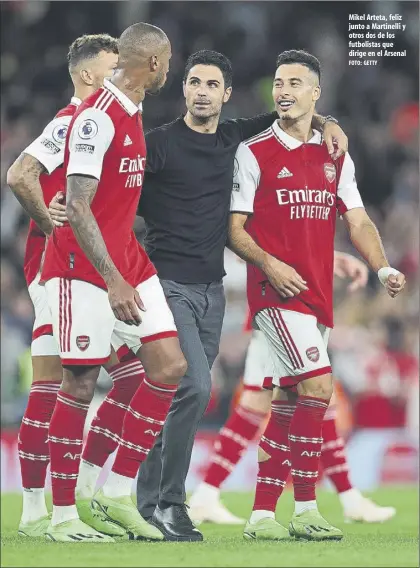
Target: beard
157	85
204	114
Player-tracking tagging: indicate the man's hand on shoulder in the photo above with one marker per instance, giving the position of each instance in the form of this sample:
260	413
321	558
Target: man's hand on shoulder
335	139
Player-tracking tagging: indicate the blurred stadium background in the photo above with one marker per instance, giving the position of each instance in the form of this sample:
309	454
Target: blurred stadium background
374	346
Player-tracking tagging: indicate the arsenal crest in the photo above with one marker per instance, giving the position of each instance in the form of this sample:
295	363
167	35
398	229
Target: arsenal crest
82	342
313	354
330	173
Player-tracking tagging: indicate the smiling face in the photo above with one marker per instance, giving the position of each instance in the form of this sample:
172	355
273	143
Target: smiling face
204	91
295	91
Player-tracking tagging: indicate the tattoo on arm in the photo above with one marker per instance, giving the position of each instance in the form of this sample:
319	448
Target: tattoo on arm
80	192
23	179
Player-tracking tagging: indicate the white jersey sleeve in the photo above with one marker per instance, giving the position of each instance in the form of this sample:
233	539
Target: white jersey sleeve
246	177
48	148
348	196
89	139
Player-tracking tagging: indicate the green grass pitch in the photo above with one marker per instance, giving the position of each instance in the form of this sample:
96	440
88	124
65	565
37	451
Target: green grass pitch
390	544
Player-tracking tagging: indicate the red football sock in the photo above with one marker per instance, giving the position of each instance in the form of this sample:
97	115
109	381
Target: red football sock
232	441
333	457
143	422
273	473
105	430
34	455
305	439
65	438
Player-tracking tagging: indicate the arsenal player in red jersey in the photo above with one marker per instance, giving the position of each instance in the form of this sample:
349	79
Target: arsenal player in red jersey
250	415
35	177
287	191
146	52
96	253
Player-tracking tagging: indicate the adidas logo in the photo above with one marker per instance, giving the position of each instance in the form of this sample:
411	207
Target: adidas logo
127	140
284	173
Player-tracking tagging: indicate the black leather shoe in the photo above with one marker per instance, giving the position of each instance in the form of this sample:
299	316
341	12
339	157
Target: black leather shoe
175	523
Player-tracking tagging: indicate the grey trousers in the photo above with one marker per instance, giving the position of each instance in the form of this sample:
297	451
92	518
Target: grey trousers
198	311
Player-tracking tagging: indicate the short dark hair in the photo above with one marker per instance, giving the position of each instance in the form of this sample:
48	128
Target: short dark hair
208	57
302	57
90	45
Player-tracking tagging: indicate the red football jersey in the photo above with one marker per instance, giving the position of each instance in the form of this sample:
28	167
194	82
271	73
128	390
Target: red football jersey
48	149
291	192
105	141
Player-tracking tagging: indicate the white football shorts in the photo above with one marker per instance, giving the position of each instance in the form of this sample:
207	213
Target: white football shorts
298	344
84	324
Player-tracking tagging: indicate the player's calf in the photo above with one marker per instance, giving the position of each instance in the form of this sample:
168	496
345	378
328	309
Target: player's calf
106	428
34	456
305	438
164	364
274	459
66	438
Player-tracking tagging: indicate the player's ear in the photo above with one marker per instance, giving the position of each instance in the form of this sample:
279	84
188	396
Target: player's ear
86	77
153	63
317	93
183	89
227	94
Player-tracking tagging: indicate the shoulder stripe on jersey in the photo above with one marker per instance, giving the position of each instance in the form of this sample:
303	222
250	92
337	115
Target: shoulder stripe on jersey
100	98
108	102
104	101
257	140
257	136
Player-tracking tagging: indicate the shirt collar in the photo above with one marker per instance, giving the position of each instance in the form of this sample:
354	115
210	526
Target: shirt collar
76	101
291	142
125	102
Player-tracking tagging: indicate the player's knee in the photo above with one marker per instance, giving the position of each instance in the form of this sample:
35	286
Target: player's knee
318	387
170	373
82	390
80	382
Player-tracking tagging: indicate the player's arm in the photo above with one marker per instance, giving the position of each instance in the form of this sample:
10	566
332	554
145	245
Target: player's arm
283	278
84	170
44	154
363	232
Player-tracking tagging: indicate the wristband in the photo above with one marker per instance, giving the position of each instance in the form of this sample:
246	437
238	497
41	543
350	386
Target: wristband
329	118
386	271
